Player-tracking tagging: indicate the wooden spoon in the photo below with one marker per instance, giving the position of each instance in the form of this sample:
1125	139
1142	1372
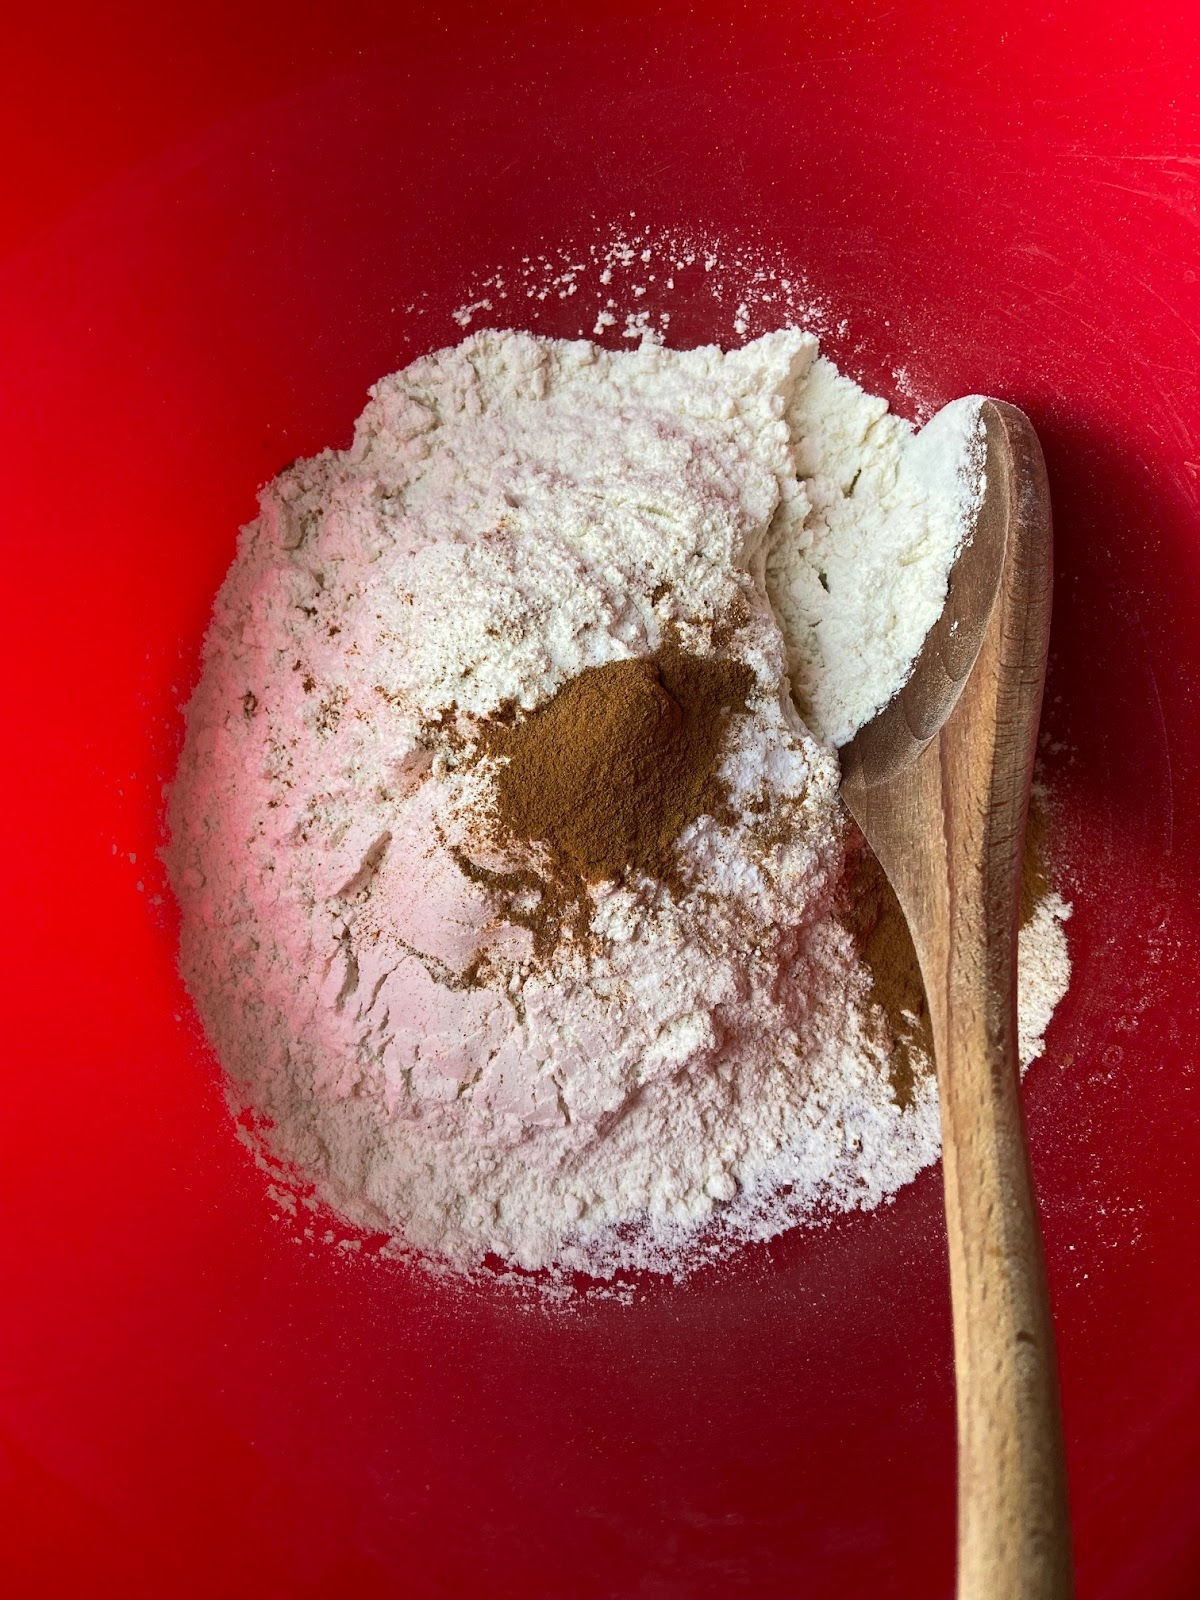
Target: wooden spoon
939	784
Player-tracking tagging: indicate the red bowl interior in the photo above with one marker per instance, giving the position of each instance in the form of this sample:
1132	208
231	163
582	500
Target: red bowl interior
212	264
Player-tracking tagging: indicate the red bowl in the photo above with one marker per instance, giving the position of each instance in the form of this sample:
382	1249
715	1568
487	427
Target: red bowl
212	263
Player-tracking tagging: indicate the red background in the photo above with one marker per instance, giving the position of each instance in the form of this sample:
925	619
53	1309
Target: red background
208	220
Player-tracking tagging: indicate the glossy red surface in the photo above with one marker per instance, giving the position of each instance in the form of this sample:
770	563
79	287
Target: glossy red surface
219	223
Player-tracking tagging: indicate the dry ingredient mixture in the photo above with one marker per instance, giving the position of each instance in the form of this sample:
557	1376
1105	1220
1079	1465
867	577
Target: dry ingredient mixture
517	897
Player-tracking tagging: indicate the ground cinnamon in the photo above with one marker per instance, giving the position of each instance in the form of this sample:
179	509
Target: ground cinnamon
873	915
608	773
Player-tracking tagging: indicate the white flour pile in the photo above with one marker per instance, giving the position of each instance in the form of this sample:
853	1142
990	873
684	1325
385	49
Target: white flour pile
677	1067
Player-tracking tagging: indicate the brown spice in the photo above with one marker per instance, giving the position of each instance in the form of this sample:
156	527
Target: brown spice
608	773
734	618
873	915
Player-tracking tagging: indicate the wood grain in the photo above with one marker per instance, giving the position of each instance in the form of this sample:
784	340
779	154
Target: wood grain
939	783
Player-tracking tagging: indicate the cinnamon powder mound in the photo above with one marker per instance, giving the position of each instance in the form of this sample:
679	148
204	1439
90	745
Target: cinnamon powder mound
609	772
873	915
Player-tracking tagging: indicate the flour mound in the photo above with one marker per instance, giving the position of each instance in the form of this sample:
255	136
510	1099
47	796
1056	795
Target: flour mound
688	1066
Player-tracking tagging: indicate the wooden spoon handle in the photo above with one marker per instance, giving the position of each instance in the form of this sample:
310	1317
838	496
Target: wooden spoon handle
1013	1541
947	821
1013	1536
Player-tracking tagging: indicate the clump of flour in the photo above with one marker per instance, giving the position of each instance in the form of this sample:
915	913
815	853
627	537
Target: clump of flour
693	1068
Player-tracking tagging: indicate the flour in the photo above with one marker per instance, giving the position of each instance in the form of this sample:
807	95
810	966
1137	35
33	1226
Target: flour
634	279
860	580
706	1067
